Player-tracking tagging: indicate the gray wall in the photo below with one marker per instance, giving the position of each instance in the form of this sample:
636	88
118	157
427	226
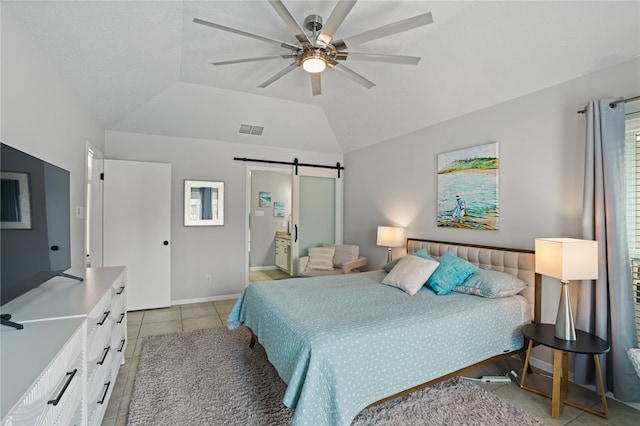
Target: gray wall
264	228
219	251
42	117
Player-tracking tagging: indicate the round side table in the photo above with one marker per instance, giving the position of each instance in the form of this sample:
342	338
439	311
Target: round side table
585	343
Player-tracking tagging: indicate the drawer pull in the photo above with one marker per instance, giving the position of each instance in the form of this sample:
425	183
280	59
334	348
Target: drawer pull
106	315
121	290
71	374
104	356
104	395
121	345
121	318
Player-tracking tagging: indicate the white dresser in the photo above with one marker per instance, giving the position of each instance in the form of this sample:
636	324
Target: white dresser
61	368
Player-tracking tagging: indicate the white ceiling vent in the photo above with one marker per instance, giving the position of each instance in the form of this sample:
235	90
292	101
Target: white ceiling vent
249	129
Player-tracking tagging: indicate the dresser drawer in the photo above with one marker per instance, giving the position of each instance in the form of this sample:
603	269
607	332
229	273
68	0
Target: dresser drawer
119	338
99	388
99	319
56	395
119	305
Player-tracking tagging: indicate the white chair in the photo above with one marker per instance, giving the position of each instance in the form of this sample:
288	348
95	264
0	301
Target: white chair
345	261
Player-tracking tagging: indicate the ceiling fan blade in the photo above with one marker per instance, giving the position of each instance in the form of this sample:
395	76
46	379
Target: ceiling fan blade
288	19
336	18
261	58
246	34
386	30
352	75
280	74
316	83
378	57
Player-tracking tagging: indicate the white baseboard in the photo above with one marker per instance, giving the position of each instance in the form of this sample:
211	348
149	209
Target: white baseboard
543	365
262	268
206	299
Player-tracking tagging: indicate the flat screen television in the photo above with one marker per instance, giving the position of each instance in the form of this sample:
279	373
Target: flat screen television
35	228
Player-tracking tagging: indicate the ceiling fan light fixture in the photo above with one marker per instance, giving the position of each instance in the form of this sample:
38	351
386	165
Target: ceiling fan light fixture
314	65
314	61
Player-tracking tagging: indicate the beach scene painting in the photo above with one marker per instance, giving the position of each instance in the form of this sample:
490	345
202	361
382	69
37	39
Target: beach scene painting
264	199
468	188
278	208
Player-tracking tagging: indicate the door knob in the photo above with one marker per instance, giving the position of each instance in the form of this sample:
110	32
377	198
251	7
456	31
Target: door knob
166	243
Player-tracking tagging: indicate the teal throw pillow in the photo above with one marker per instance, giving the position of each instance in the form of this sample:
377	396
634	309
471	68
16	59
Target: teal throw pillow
424	254
451	272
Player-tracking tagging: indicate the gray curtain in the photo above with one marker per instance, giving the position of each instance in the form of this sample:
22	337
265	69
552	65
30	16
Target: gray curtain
10	203
205	202
605	306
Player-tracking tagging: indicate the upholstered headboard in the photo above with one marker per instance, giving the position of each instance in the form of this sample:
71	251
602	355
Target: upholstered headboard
520	263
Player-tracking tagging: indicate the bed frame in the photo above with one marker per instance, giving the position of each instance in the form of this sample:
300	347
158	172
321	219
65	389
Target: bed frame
520	263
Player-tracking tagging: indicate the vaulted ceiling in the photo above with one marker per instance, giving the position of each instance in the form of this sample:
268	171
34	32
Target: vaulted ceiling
146	66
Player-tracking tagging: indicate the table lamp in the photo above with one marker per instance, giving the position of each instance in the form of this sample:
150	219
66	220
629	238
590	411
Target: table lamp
390	236
566	259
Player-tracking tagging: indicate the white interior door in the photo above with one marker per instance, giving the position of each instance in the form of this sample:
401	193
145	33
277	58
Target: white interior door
137	229
93	209
316	209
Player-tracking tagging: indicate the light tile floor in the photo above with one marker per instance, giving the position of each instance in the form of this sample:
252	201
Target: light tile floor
213	314
267	274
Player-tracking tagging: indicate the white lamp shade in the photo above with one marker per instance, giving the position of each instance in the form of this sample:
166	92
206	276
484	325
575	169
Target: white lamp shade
390	236
567	258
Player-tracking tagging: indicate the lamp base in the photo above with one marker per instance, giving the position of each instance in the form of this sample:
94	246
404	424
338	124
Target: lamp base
389	259
565	328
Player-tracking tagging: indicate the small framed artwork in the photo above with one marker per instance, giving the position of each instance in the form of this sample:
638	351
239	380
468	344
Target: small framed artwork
278	208
203	203
16	200
468	188
264	199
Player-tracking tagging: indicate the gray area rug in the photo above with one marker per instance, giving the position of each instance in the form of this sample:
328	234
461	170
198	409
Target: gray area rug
212	377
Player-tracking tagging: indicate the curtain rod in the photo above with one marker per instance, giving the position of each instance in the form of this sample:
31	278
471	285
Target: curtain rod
295	163
613	104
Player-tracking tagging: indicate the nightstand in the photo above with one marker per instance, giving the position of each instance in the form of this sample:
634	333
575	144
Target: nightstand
585	343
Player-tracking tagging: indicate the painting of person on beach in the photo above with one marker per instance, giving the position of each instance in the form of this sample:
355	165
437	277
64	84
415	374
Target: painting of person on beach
468	188
458	211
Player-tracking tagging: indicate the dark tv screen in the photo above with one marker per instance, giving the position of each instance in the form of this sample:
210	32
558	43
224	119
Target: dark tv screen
35	216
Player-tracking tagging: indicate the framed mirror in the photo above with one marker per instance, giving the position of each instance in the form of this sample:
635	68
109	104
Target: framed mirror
203	203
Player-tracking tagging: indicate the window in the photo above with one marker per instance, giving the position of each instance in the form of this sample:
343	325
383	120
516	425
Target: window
632	172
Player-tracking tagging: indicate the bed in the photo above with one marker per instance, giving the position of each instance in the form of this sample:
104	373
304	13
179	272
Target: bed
342	343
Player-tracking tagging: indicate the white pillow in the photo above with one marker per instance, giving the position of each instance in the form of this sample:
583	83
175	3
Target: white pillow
321	258
410	273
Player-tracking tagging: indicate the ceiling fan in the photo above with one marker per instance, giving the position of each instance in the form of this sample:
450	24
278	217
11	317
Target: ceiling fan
318	50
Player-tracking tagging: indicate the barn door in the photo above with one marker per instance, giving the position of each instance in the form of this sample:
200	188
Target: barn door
317	209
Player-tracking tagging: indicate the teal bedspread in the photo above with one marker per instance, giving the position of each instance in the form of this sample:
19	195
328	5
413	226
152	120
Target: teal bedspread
343	342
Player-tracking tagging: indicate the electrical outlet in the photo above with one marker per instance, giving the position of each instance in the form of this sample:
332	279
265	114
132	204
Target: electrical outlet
207	279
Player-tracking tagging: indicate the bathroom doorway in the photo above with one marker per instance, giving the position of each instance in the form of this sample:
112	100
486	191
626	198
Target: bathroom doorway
269	219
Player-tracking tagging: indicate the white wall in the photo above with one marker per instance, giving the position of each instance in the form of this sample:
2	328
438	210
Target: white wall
219	251
42	117
541	148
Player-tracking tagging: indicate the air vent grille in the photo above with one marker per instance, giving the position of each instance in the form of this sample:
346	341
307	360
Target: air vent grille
249	129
